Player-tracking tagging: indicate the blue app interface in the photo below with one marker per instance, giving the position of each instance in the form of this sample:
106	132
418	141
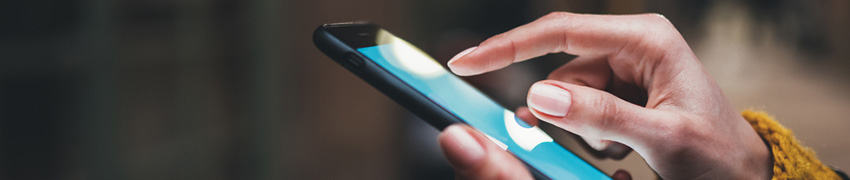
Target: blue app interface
529	143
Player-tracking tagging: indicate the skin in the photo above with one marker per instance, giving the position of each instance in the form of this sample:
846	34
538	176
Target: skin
635	84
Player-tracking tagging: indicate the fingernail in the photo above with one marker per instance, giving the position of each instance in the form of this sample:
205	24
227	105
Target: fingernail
466	151
549	99
461	54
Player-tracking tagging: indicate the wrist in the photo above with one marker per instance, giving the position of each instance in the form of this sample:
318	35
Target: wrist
764	160
755	161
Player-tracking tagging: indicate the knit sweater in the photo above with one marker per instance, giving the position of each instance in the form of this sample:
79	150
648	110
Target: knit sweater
791	160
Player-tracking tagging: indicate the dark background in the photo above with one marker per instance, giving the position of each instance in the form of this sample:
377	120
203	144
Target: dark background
235	89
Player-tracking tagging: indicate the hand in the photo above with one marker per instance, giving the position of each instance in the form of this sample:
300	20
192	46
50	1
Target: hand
635	82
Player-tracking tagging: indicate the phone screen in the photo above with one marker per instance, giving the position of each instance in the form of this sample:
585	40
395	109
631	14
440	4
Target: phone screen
427	76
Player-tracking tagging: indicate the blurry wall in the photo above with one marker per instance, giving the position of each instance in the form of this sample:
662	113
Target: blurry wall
224	89
185	90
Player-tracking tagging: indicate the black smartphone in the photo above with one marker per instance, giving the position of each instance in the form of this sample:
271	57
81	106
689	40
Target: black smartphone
420	84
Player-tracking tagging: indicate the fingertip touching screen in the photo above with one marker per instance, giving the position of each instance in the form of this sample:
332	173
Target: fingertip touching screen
428	77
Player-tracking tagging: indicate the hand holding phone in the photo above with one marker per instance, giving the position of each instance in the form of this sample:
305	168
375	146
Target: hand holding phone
636	82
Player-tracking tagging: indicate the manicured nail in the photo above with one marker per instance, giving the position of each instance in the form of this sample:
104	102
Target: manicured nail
465	151
461	54
549	99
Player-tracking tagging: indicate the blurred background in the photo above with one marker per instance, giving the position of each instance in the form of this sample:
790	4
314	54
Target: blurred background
235	89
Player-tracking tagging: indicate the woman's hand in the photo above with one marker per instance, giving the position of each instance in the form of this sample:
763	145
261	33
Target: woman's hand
635	82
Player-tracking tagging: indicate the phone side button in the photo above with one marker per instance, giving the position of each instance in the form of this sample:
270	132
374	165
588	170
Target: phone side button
353	60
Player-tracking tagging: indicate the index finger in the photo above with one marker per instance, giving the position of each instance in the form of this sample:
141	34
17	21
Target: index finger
577	34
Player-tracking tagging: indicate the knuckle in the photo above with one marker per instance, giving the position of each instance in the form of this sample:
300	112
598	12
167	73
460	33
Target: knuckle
659	32
656	19
556	15
610	111
682	132
656	16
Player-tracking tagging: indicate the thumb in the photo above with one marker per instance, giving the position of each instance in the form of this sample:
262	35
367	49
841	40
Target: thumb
473	156
591	113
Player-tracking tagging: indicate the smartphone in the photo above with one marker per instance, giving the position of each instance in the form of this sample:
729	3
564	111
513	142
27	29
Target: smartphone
420	84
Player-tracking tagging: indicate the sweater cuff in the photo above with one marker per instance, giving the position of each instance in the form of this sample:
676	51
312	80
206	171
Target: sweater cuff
791	160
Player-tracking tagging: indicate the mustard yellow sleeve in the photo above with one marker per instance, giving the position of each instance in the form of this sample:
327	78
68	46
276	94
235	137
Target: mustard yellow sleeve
791	160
